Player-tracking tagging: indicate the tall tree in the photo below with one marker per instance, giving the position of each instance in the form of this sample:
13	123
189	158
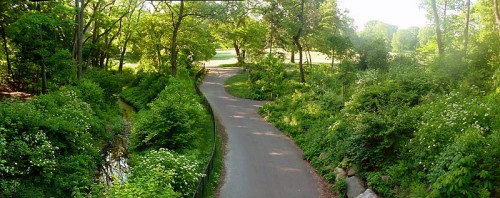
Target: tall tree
332	35
381	30
80	6
178	12
466	30
497	14
405	40
131	23
437	24
173	43
296	40
234	25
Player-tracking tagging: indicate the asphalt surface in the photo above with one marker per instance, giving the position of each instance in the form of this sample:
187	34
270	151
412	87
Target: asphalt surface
261	162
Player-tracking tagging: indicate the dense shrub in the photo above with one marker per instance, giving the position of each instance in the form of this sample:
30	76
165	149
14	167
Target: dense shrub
111	83
172	121
160	173
269	79
144	89
410	131
49	144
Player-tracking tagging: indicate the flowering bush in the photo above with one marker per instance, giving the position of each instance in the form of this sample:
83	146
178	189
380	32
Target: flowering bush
450	144
160	173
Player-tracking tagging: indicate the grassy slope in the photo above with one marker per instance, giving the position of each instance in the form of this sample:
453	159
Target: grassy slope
239	86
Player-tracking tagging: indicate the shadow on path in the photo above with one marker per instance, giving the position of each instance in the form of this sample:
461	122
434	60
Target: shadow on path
261	161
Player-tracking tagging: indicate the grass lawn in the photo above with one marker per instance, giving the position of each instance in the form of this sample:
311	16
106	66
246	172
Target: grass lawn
224	55
229	65
238	86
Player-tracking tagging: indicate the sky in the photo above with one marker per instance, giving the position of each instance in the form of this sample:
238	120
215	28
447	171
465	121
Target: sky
402	13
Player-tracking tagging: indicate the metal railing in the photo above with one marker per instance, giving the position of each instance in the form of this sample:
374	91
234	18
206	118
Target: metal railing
200	190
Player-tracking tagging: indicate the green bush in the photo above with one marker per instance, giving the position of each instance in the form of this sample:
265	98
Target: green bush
160	173
144	89
341	187
173	120
379	123
267	78
48	145
111	83
379	184
25	149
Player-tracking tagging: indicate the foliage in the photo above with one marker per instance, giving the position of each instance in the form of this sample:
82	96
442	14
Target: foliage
372	51
239	86
144	89
38	39
172	121
341	187
334	31
54	130
268	79
379	30
112	83
160	173
381	184
403	126
405	40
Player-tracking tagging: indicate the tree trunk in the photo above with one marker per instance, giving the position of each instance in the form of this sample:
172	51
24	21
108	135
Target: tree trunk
238	52
333	59
127	38
80	38
497	14
437	25
292	56
444	37
158	53
173	45
44	79
6	49
102	56
271	41
466	31
122	54
296	40
95	51
310	58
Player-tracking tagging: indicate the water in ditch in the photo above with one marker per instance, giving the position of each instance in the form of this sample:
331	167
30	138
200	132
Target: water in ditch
115	153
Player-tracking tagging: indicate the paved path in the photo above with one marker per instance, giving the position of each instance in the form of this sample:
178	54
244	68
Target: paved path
260	162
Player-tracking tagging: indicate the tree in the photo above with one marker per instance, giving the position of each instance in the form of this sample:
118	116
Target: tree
275	15
10	11
38	37
79	36
372	52
333	35
381	30
104	25
405	40
466	30
437	26
175	14
296	40
128	31
238	26
497	14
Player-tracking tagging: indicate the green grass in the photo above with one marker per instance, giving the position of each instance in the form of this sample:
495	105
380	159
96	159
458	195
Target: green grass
229	65
224	55
239	86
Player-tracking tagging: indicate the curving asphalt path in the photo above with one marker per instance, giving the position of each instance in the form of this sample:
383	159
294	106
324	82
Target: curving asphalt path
260	162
